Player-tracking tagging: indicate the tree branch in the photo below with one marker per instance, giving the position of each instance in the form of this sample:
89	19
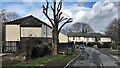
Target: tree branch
52	8
45	11
62	19
59	7
69	20
59	15
54	11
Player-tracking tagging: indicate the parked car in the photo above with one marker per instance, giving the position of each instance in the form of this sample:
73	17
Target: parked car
82	46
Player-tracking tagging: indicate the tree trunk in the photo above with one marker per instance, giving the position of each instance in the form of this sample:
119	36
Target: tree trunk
55	22
54	42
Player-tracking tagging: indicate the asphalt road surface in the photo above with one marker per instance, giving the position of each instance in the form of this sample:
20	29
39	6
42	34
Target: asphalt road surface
93	58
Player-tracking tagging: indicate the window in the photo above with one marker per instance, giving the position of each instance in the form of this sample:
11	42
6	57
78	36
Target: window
98	39
92	38
30	35
78	38
10	47
73	38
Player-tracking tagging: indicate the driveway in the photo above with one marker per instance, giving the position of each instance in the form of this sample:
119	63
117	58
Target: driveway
91	57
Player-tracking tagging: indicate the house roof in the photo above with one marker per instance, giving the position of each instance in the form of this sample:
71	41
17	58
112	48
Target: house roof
72	34
29	21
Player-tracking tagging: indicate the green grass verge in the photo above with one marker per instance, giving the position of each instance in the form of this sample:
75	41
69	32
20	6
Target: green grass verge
115	52
62	61
112	51
39	61
47	60
118	46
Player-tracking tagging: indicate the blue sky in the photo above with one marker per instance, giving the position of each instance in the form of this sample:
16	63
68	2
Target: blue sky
30	6
97	13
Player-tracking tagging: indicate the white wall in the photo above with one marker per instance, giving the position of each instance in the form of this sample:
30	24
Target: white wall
12	32
31	32
46	31
105	40
63	38
82	39
90	39
77	39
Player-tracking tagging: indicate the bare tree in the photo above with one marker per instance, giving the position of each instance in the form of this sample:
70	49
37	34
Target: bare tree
81	27
112	30
11	16
55	21
78	27
7	16
66	30
3	16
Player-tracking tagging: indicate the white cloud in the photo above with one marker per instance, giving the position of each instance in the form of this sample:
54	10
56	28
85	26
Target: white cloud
98	17
37	13
79	16
101	15
67	13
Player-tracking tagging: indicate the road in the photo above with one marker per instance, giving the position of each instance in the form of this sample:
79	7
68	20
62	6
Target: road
93	58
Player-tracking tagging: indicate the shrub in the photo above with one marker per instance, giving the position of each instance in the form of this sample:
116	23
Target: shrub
106	45
47	48
38	51
91	44
41	50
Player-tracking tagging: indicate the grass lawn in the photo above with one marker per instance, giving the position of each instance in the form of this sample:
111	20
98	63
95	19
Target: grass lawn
58	60
115	52
118	46
112	51
62	61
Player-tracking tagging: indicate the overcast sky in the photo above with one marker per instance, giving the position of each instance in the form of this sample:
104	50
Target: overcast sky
97	13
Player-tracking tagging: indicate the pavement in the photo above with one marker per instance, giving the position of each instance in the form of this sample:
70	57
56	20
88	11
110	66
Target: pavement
116	57
107	60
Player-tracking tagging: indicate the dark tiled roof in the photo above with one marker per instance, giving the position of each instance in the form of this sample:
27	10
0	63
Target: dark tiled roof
71	34
105	36
29	21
